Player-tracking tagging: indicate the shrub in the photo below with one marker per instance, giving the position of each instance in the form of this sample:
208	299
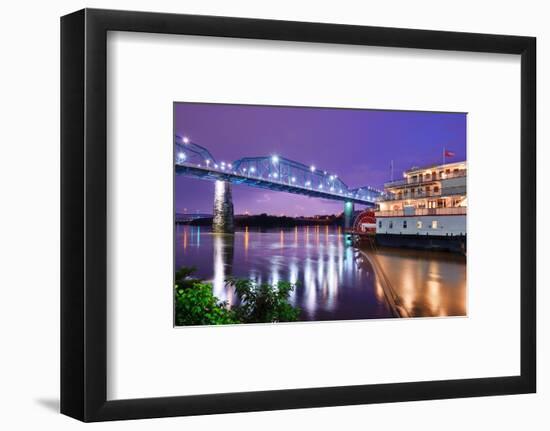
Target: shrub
195	304
263	303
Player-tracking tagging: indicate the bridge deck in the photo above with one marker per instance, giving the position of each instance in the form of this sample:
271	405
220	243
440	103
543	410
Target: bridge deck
208	173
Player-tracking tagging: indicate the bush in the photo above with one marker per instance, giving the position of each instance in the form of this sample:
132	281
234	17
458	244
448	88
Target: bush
195	304
263	303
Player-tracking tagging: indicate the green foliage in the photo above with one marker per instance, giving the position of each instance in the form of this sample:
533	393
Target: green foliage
183	277
195	303
263	303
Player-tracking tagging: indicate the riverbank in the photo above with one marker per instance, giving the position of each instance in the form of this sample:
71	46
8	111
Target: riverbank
271	221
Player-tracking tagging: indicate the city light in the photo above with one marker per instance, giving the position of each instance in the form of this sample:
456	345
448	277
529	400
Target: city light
293	179
275	175
185	140
207	162
252	169
181	156
312	168
274	158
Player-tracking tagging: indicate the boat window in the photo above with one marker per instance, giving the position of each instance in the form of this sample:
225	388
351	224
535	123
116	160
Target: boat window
404	224
419	224
434	224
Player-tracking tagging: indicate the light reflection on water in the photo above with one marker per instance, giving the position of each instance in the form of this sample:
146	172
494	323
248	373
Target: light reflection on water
428	283
332	283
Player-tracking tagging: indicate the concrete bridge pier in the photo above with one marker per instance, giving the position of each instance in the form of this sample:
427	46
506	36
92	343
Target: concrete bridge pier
348	215
222	221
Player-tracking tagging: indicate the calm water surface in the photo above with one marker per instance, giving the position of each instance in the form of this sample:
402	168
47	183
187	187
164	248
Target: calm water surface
334	282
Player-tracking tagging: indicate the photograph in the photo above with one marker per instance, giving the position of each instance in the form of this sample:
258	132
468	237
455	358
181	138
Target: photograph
308	214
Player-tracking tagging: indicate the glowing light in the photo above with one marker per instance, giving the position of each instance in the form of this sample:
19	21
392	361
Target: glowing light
275	175
252	169
229	165
207	162
181	156
216	166
320	186
312	168
332	189
274	158
293	179
185	140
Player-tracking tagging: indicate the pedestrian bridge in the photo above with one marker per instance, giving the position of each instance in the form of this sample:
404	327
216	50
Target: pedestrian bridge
271	172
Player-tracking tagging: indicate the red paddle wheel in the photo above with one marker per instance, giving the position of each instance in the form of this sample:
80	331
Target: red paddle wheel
365	222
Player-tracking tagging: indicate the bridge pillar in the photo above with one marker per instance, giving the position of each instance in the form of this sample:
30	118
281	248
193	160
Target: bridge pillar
222	221
348	215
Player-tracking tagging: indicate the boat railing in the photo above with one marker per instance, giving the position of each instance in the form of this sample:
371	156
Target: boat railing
422	212
425	179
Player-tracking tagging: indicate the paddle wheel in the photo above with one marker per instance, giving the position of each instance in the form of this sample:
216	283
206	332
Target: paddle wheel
365	222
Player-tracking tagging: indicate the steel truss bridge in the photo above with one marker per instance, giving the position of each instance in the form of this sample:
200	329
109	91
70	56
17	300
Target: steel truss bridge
269	172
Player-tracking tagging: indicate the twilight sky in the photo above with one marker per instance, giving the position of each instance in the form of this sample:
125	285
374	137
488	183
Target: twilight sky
357	145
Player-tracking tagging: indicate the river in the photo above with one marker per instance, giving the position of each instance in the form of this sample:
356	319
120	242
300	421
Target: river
334	281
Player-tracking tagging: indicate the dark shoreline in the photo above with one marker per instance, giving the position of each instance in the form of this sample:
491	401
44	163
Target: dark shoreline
269	221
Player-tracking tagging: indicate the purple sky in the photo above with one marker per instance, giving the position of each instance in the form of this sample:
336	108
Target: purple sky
357	145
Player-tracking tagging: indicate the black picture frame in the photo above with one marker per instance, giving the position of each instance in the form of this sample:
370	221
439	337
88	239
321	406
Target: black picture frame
84	214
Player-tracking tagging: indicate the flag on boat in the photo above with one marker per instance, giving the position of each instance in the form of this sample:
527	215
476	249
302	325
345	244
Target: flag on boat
449	153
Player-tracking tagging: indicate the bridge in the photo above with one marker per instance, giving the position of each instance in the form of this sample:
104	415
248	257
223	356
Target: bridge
268	172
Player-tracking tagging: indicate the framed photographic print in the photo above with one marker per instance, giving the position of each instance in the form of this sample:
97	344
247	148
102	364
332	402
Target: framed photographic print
262	215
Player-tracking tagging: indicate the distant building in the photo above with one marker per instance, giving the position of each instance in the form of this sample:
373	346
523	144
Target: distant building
426	209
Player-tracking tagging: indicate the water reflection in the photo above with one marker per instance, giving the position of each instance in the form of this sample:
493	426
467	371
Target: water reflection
223	251
331	283
334	280
427	283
